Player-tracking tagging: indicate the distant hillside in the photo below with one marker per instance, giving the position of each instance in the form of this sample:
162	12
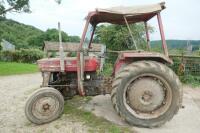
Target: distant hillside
17	33
177	44
26	36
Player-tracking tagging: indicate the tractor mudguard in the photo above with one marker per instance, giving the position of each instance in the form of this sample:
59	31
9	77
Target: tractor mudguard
127	57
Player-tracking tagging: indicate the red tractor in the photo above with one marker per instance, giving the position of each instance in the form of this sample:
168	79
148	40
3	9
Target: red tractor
144	91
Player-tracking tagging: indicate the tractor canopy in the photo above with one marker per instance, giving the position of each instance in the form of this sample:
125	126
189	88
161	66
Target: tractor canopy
133	14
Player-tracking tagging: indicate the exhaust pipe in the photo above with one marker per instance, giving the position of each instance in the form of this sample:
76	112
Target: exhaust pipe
61	51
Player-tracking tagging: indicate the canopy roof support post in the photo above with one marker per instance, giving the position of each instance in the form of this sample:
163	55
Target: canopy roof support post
80	61
164	44
91	38
147	36
130	32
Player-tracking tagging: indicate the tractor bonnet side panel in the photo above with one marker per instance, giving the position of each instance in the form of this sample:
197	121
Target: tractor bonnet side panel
53	64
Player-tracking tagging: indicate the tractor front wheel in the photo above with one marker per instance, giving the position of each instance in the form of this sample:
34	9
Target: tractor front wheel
146	93
44	105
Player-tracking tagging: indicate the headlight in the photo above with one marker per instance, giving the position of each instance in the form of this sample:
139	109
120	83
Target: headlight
87	76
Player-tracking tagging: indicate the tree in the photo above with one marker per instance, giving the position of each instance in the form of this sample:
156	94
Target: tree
52	35
74	39
14	5
49	35
36	41
117	37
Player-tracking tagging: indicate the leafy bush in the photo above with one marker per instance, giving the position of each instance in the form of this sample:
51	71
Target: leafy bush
175	66
108	69
6	55
22	55
187	76
190	79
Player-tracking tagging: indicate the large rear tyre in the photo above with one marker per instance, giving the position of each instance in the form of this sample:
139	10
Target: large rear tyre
44	105
146	93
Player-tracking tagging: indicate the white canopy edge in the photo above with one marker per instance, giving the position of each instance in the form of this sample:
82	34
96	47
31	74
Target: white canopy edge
134	10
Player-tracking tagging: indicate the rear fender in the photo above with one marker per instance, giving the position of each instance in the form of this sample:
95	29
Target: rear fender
125	59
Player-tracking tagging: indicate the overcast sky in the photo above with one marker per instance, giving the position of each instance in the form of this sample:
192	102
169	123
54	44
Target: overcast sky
181	18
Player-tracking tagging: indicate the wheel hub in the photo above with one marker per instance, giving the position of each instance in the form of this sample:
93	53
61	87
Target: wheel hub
145	95
45	107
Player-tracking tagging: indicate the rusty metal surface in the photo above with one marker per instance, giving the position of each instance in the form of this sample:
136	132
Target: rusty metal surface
164	44
145	54
46	78
79	65
127	57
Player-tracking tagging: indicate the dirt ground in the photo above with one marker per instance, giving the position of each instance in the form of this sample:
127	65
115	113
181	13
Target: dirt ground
14	91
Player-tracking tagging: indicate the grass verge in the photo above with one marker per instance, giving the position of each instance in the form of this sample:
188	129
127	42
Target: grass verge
96	124
11	68
194	81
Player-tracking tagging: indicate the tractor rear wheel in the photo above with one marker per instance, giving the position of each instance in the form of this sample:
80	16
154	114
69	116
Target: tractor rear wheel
44	105
146	93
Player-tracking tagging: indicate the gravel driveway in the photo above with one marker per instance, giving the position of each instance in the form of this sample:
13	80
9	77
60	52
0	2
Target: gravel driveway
14	90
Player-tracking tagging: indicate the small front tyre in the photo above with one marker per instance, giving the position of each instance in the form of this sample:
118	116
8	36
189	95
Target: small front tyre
44	105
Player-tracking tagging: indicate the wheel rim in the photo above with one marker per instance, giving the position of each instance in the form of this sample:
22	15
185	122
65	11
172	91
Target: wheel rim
45	107
147	96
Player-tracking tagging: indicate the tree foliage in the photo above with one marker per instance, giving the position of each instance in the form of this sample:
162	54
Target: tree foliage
14	5
117	37
52	35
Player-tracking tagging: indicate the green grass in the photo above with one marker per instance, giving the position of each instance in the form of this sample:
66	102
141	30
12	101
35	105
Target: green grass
11	68
97	124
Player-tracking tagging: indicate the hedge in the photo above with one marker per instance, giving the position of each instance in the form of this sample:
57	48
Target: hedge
22	55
